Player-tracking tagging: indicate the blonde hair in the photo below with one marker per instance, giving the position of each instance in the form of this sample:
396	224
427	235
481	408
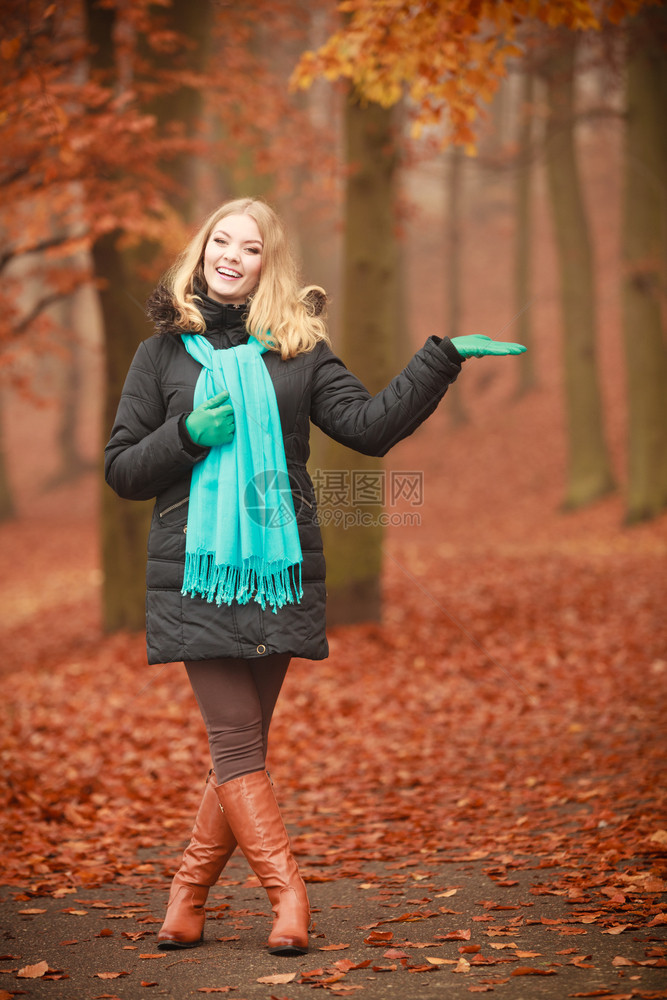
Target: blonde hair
291	313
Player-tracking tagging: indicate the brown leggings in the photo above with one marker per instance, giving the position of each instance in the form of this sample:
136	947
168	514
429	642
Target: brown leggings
236	699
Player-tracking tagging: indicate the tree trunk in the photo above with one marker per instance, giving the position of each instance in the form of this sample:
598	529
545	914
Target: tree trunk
7	509
453	278
645	272
523	249
125	523
589	473
72	462
353	548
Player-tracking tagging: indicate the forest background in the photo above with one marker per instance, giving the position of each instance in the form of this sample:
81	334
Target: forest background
445	168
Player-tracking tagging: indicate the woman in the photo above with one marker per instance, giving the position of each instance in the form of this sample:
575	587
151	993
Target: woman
214	423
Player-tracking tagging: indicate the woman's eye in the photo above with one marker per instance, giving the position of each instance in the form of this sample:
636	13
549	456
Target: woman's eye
252	249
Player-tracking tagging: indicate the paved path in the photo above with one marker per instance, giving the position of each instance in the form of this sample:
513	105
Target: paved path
450	930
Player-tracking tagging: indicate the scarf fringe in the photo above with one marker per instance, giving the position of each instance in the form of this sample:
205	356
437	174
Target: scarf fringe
275	584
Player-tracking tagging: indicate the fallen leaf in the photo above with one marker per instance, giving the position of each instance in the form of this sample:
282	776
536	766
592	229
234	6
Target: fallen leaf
278	977
111	975
528	970
32	911
345	965
592	993
610	996
463	965
33	971
395	953
378	938
333	947
313	974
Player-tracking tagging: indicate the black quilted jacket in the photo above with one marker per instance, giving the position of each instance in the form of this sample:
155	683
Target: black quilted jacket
150	455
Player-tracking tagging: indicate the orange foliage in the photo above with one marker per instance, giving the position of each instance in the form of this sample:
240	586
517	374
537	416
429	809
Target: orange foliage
447	56
83	152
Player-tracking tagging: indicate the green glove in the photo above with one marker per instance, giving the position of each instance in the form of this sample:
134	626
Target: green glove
212	423
477	346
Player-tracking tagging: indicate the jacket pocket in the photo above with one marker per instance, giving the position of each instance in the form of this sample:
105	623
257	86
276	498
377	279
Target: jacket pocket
174	514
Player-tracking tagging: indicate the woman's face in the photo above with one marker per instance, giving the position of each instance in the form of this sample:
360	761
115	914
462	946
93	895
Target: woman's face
233	259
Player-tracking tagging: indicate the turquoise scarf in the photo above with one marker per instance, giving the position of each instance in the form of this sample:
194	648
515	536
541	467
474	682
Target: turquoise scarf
242	541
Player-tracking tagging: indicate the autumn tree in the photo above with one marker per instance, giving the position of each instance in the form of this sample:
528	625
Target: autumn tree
454	265
175	109
589	474
448	58
103	141
368	338
523	190
644	292
7	509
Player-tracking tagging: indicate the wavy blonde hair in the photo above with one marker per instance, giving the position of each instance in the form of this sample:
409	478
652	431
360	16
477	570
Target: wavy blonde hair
292	314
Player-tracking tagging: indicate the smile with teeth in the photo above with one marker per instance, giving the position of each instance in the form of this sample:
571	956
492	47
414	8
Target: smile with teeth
226	272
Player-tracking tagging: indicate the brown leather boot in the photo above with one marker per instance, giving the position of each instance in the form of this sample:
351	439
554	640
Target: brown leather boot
211	846
252	812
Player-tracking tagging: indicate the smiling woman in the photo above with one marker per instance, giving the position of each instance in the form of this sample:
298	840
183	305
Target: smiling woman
216	411
233	260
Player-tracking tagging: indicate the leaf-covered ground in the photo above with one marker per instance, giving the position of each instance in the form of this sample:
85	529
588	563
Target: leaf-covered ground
508	711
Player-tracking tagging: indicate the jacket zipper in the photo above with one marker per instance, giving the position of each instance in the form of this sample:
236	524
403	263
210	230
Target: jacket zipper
302	497
174	506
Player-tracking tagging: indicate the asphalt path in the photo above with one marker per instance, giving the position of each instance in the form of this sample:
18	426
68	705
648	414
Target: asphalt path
448	930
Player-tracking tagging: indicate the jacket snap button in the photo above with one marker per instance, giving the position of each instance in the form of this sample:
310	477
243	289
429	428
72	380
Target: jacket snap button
185	528
261	650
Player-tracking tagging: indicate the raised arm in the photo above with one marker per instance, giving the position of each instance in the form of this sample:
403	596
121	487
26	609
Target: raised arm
345	410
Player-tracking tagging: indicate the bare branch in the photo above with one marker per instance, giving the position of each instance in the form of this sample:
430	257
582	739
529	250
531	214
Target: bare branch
39	307
54	241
